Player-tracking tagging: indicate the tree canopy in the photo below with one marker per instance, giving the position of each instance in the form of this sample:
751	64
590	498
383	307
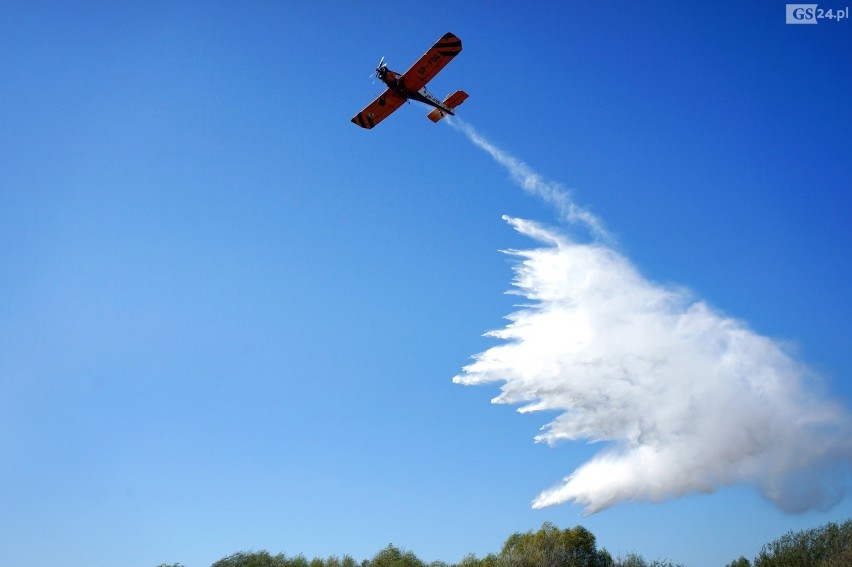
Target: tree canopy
827	546
552	547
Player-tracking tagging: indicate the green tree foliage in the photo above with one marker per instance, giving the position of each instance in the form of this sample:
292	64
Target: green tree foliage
841	559
266	559
345	561
636	560
392	556
251	559
552	547
470	560
631	560
826	546
254	559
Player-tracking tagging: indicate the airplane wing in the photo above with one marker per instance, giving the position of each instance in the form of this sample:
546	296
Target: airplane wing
432	61
379	109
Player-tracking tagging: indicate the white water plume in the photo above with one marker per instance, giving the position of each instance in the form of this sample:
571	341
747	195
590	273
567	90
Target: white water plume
685	398
533	183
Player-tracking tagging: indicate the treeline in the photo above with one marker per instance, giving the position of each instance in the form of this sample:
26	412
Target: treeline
827	546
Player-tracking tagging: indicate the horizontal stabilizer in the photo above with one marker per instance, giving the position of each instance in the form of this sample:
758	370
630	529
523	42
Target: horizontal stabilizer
450	102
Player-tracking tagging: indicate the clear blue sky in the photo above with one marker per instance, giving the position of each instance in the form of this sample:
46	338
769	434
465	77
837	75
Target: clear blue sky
229	318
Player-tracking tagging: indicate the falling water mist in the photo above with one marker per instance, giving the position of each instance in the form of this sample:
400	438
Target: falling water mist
682	397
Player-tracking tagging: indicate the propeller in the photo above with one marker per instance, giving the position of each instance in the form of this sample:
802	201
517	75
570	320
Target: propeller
379	69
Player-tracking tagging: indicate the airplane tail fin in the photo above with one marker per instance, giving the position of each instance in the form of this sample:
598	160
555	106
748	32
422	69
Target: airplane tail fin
450	102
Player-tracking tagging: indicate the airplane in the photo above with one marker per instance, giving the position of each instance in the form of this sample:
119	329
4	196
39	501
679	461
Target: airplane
412	85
